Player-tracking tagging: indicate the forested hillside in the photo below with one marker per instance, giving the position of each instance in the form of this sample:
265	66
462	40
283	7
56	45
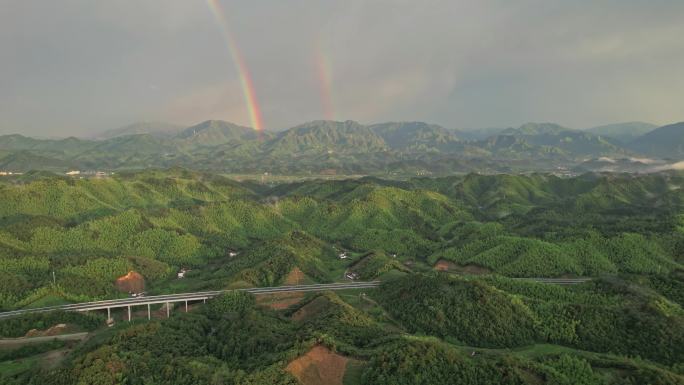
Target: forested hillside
90	231
450	252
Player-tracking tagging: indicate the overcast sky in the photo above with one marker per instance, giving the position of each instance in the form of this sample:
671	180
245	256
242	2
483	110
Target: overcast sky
74	67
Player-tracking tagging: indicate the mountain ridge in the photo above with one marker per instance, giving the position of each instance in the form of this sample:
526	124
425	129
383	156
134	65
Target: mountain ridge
159	129
344	147
623	132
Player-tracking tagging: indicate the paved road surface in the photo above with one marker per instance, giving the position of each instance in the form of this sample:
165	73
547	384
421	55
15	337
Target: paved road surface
200	296
196	296
557	281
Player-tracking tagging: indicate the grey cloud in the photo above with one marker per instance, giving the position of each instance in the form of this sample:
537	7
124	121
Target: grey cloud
73	67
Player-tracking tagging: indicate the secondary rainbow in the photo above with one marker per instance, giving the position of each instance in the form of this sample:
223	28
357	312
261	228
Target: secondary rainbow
324	70
240	64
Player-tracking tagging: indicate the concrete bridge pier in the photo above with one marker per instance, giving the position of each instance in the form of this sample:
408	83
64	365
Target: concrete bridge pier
168	299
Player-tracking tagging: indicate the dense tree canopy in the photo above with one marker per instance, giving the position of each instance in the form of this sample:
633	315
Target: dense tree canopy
69	240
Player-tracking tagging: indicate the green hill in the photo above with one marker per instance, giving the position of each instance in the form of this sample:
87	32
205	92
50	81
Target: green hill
328	147
470	312
506	313
623	132
325	136
216	132
416	136
475	322
157	129
64	147
519	226
576	142
666	141
23	161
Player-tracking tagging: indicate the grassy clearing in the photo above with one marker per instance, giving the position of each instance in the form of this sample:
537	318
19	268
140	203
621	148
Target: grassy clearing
354	372
48	300
13	368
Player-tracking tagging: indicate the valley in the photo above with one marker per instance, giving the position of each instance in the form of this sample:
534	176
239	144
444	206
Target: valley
449	252
341	192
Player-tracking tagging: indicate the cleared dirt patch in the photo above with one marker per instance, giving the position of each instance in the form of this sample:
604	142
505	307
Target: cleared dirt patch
52	331
319	366
133	282
443	265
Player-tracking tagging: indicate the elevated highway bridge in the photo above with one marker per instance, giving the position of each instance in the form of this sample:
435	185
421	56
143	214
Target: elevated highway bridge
185	298
202	296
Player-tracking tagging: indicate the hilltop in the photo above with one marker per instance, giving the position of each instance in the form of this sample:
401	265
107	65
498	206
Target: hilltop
666	141
623	132
349	147
473	320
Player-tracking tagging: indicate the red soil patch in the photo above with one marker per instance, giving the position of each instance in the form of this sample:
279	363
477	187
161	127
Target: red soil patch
443	265
319	366
132	282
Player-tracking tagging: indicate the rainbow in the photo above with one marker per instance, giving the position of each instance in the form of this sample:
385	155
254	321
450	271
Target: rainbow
240	64
324	71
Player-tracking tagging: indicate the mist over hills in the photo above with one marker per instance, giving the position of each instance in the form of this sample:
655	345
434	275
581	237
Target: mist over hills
349	147
157	129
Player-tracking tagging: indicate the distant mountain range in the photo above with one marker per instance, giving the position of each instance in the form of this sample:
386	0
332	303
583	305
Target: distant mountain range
349	148
623	132
158	129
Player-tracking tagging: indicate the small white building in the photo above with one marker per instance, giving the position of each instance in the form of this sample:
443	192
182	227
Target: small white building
343	255
73	172
232	253
181	273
